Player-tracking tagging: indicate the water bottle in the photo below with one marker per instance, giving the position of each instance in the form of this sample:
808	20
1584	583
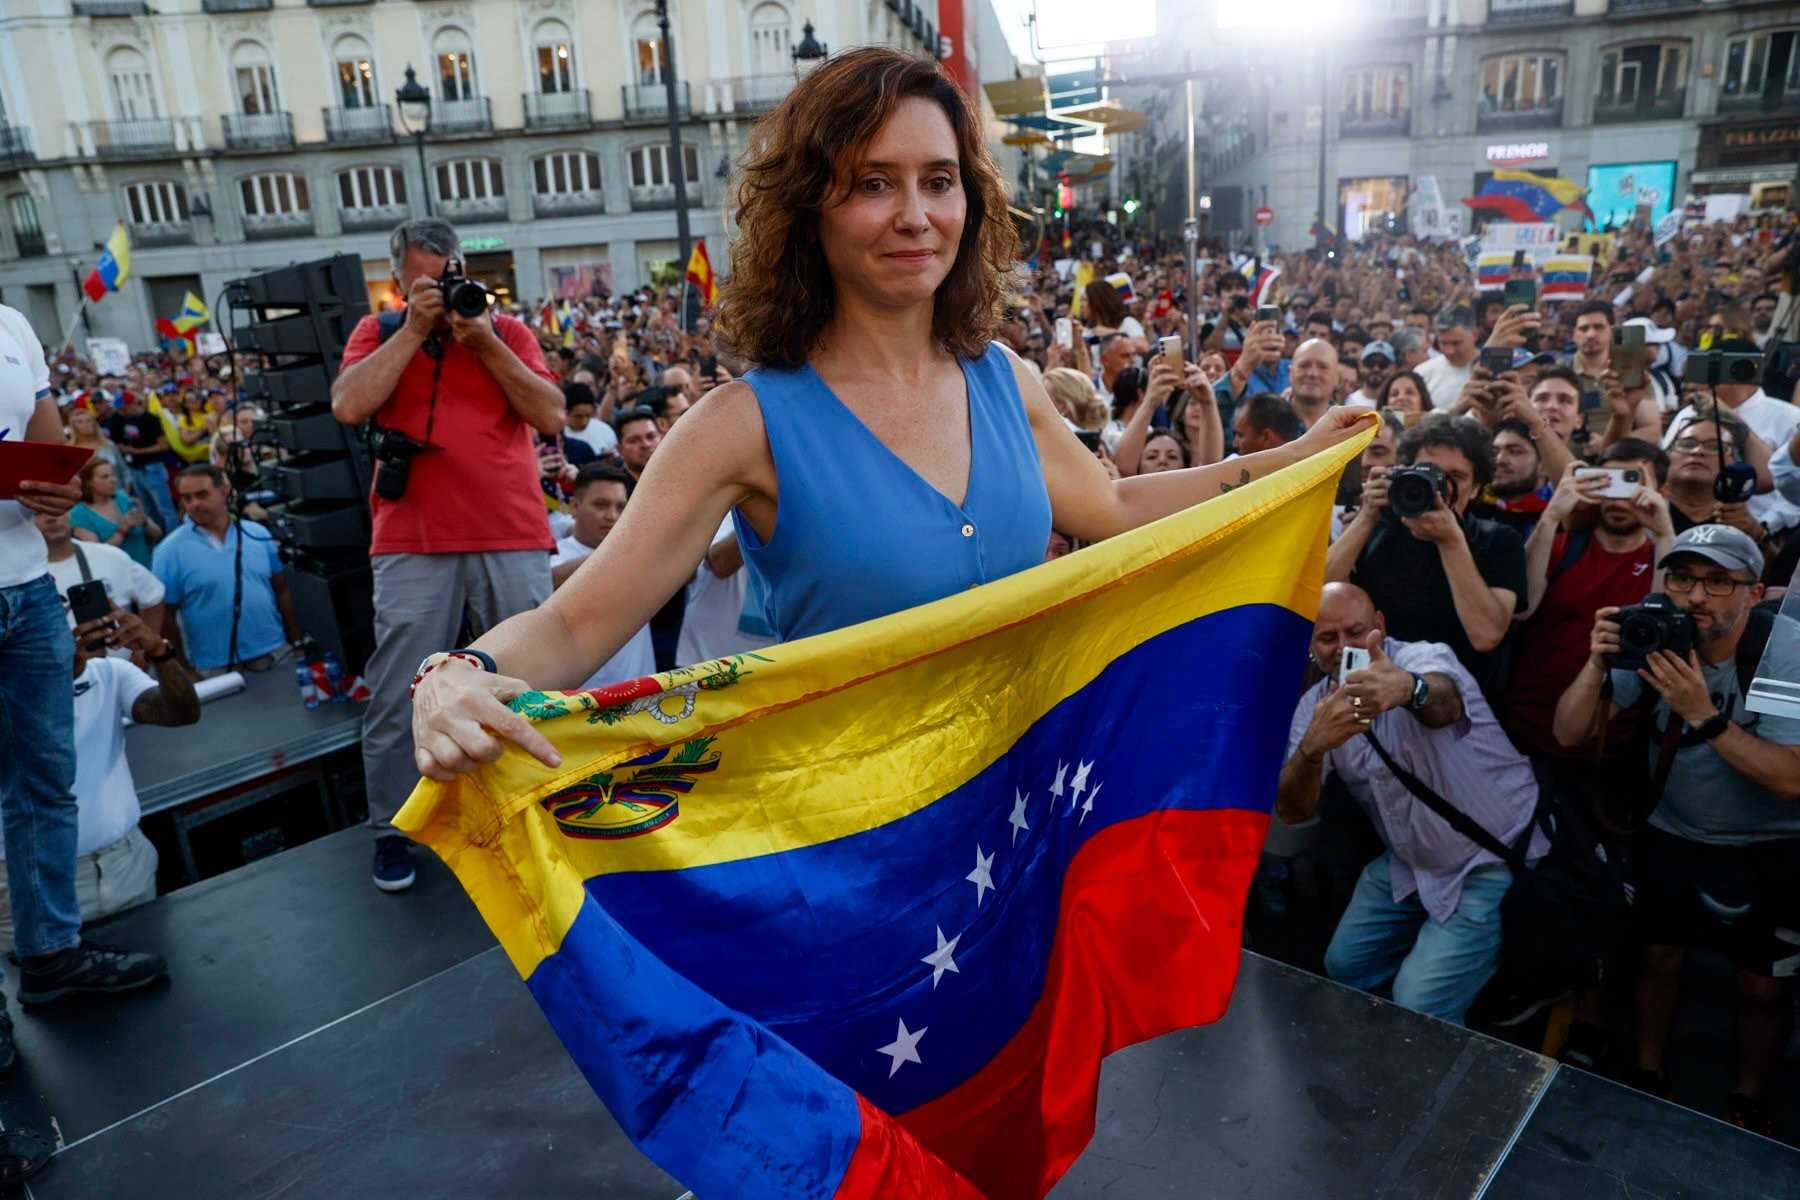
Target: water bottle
334	677
309	694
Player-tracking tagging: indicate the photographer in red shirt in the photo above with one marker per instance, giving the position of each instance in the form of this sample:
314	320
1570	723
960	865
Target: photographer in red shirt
460	528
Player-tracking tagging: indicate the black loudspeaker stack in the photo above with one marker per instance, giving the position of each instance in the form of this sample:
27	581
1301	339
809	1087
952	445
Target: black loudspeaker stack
293	323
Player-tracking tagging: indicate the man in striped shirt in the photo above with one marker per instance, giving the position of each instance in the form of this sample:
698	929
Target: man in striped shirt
1425	914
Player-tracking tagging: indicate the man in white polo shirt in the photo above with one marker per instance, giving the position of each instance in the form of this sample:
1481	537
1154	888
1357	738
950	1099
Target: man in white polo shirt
600	495
129	584
37	703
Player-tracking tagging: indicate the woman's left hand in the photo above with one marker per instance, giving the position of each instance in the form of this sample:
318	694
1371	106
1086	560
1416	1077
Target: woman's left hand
1340	423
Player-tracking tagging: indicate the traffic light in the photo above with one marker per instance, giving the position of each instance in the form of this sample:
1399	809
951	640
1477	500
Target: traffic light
1130	205
1059	212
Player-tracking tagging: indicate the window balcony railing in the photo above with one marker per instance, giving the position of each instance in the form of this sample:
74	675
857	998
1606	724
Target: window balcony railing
1528	10
568	204
758	93
1665	106
31	245
371	124
550	110
1648	5
661	197
473	212
1769	100
227	6
265	227
16	146
1373	125
335	3
258	131
451	118
1545	115
374	218
153	136
111	8
163	233
650	101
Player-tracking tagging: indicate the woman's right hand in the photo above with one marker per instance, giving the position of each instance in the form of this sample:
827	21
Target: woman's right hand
459	717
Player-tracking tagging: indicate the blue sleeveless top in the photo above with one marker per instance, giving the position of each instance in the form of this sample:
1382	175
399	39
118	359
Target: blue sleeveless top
859	534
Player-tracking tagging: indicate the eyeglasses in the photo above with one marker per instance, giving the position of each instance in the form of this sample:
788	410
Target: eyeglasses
1691	445
1715	585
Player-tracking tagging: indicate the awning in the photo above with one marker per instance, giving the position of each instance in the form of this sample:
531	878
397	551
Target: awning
1016	97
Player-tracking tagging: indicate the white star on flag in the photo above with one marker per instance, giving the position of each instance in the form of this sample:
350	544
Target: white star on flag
982	876
1017	820
941	960
1087	806
1078	784
903	1049
1056	789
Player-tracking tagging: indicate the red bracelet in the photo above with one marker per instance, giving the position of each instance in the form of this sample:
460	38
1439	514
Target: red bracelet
434	661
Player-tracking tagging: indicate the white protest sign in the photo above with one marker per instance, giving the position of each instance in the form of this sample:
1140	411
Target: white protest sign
1669	226
110	356
1507	236
210	342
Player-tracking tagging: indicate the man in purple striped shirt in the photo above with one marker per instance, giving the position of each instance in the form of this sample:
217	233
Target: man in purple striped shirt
1425	914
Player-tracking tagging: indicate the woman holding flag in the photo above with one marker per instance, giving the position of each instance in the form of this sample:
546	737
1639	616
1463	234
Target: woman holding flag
884	453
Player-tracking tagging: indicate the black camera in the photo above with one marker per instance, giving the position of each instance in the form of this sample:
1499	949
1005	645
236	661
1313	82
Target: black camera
393	452
463	295
1413	491
1713	367
1645	628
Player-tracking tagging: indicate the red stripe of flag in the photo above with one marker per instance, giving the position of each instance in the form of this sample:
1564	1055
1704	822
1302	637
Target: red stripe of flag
1510	207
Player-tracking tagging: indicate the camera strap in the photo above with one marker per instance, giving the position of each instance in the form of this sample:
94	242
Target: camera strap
1455	817
87	575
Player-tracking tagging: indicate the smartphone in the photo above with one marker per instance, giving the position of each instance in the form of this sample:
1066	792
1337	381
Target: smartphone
1353	658
1622	482
1496	360
1065	333
1520	291
1518	259
89	601
1170	349
709	365
1089	438
1628	355
1592	401
1268	312
621	347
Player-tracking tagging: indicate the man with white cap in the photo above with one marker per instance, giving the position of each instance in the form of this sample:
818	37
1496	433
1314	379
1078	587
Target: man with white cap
1717	858
1374	366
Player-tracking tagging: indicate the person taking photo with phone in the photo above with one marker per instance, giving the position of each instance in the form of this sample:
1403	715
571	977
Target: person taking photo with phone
867	283
460	529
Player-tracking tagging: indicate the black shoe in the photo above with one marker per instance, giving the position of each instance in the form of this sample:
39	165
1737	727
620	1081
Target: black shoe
88	967
1585	1047
393	863
9	1055
1749	1112
1502	1005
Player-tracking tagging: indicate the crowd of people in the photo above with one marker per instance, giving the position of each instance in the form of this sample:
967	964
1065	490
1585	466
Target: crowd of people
1528	482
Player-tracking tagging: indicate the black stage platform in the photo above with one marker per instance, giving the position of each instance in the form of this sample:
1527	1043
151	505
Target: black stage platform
320	1039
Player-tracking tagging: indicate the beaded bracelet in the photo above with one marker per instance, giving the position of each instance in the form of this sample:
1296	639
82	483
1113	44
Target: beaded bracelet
432	662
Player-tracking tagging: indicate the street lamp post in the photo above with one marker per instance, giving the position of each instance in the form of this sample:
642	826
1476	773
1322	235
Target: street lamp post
677	166
810	50
415	117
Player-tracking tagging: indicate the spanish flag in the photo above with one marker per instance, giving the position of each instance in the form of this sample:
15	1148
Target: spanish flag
700	274
114	267
860	915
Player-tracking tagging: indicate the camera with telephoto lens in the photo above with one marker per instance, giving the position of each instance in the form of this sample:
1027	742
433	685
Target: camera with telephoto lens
1713	367
1413	491
1645	628
463	295
393	452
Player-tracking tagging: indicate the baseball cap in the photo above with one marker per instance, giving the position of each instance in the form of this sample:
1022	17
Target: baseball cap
1652	334
1385	349
1524	357
1725	545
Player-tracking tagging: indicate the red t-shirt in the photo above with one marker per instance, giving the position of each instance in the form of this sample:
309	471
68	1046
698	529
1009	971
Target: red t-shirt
480	492
1553	644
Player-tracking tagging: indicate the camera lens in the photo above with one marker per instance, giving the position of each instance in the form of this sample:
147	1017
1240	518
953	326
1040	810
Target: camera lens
1410	495
1641	634
469	298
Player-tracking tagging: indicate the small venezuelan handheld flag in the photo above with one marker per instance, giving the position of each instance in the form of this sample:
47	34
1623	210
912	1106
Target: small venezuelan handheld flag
700	275
858	916
1492	270
1565	277
114	267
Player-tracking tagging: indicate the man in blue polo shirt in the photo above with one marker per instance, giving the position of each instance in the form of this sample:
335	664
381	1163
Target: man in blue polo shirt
198	566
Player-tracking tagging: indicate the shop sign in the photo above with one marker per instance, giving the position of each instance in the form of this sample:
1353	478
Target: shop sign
1743	143
482	242
1514	154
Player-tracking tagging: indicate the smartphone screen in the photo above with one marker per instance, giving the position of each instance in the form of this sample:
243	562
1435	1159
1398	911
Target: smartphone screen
1065	332
1268	312
1496	360
1520	291
1628	355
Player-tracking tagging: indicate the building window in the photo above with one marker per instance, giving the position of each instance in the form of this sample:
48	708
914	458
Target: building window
1762	64
566	173
157	203
555	57
371	187
22	211
650	165
771	36
253	79
355	68
1521	83
646	50
133	87
470	179
1375	94
455	59
1646	78
274	194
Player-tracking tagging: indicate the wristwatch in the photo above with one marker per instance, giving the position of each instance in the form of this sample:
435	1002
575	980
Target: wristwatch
1712	727
1420	694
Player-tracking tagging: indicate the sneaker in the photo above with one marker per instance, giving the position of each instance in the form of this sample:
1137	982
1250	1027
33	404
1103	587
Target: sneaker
1653	1083
9	1055
1749	1112
1503	1005
393	863
1585	1047
88	967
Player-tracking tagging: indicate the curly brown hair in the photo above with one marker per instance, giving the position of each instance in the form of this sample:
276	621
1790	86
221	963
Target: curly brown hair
779	296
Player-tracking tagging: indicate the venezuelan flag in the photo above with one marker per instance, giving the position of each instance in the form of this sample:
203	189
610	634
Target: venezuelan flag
858	916
1492	270
1526	197
700	275
1565	277
114	267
